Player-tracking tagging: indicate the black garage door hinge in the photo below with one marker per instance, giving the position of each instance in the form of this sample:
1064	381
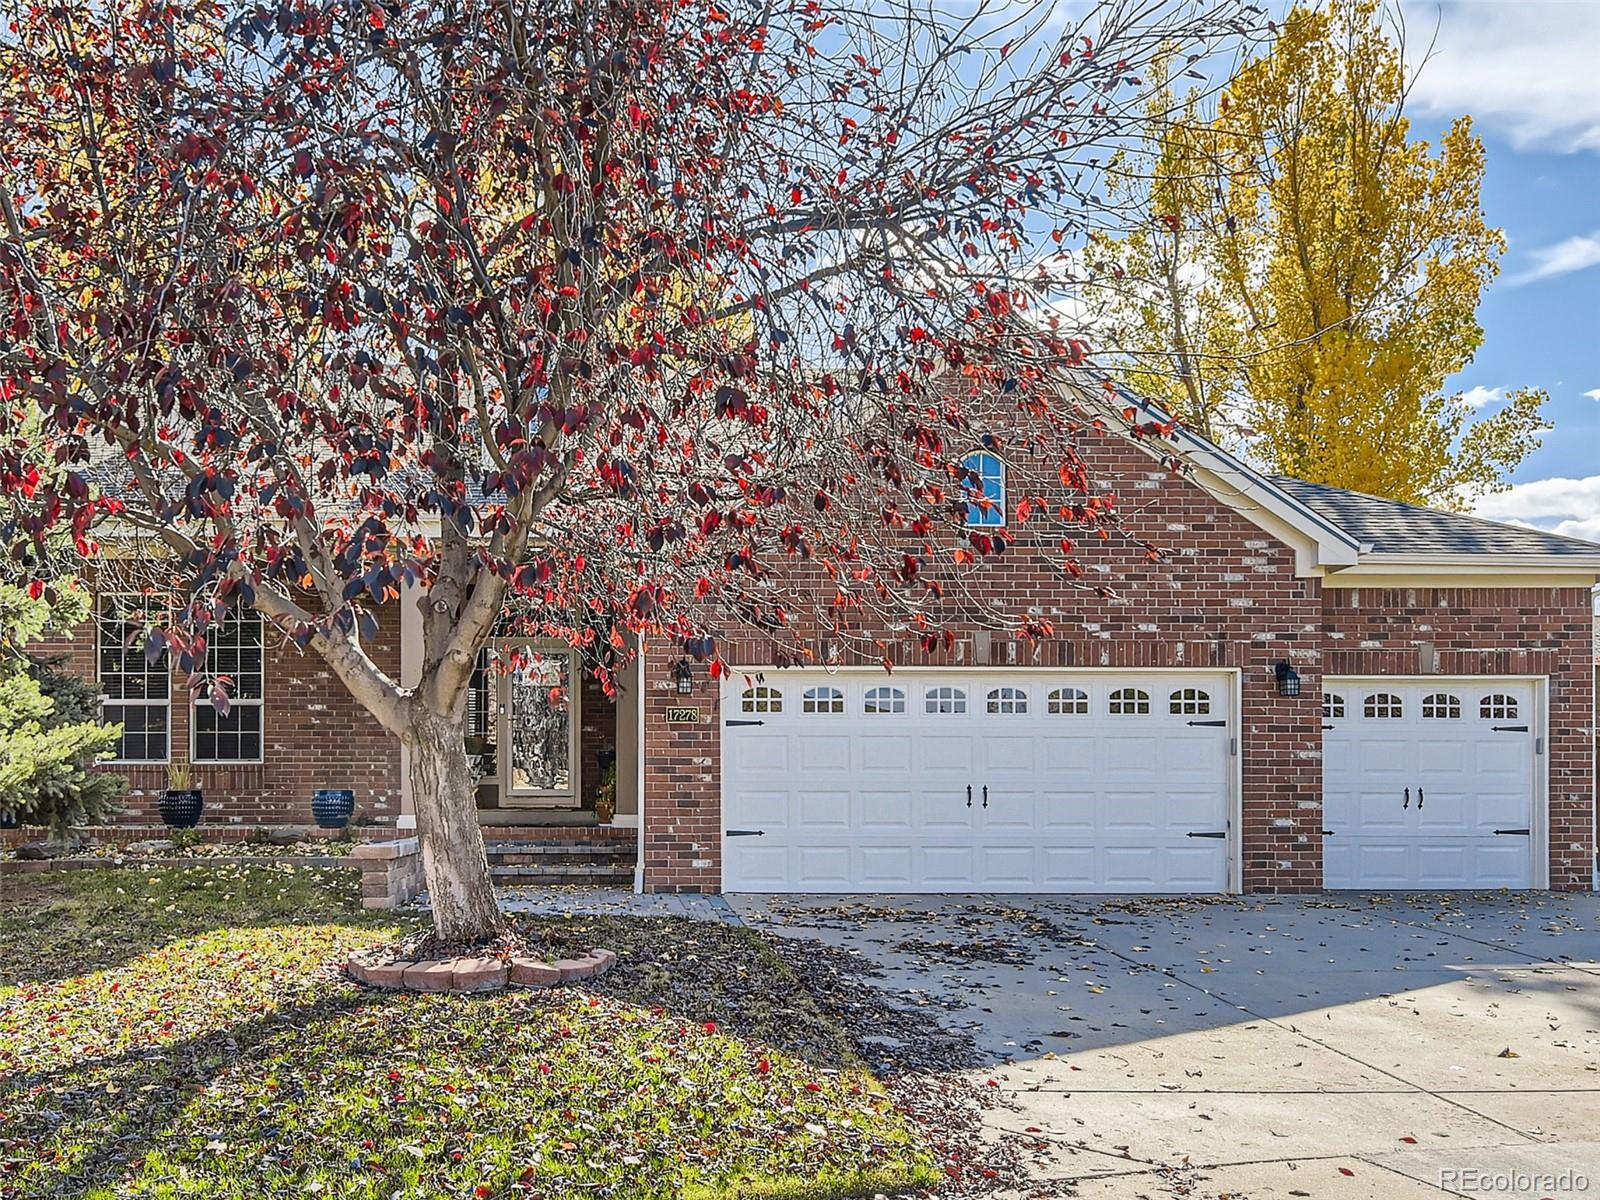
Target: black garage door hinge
736	722
1509	728
1521	832
1219	724
1218	833
747	833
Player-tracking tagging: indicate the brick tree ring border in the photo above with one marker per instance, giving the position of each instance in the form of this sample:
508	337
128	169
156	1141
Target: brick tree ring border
470	973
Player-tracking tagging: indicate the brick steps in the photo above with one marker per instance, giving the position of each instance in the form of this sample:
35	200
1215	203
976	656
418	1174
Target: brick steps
556	861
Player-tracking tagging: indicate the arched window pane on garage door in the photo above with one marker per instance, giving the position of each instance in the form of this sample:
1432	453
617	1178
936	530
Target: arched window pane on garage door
822	700
1007	701
1189	702
1127	702
885	700
1498	707
1382	706
944	701
1332	706
1068	702
1441	706
761	700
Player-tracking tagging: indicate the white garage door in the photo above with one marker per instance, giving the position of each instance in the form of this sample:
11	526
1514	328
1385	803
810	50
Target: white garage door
975	781
1428	784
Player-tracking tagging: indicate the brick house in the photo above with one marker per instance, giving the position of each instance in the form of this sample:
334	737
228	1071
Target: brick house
1312	688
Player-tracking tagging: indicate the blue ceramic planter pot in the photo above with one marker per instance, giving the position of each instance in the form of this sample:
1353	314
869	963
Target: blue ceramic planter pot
181	809
332	807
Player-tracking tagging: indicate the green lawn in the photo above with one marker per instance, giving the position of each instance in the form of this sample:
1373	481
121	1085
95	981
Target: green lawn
168	1032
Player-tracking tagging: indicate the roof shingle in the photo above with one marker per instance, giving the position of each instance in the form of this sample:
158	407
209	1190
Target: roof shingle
1391	527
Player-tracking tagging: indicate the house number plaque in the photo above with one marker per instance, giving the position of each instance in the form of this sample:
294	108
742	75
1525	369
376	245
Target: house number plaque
683	716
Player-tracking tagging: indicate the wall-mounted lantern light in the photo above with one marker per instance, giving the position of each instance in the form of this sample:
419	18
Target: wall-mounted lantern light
683	677
1288	679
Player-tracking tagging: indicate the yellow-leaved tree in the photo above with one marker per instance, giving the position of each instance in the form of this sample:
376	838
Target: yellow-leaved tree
1307	275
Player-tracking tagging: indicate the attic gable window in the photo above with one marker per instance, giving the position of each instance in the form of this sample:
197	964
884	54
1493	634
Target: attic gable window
988	478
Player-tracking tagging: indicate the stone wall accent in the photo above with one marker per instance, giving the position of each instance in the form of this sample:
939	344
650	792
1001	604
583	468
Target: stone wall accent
391	872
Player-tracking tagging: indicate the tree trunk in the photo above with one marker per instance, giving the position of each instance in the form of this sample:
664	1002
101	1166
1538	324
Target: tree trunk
453	858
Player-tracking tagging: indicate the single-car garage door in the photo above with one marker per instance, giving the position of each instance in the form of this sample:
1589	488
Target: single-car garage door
976	780
1428	784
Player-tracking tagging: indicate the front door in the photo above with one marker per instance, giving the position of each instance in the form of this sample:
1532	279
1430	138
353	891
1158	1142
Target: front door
540	732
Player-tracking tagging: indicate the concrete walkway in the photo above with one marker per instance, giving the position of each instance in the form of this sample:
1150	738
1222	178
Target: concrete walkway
614	902
1251	1048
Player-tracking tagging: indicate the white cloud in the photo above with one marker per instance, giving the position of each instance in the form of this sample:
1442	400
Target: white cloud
1573	254
1479	396
1593	393
1570	507
1525	67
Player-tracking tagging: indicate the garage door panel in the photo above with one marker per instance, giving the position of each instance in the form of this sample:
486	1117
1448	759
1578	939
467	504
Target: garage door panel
1006	866
1010	811
1067	756
823	753
881	812
943	868
822	868
1382	811
1066	813
942	810
759	752
823	809
885	868
1079	799
1069	869
950	751
876	752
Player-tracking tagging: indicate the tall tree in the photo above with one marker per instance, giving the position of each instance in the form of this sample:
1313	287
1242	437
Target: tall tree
1307	273
601	320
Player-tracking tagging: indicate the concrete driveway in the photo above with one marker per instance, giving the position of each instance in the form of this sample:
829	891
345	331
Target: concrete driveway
1249	1048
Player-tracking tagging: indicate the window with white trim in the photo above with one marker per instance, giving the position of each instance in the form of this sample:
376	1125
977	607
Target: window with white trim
233	649
822	700
1441	706
1007	701
1129	702
1072	702
135	692
1189	702
944	701
1498	707
988	480
761	699
1382	706
884	701
1332	706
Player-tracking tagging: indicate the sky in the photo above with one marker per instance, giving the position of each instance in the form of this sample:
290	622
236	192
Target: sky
1528	72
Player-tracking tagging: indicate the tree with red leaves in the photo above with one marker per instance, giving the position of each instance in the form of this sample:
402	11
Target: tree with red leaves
613	321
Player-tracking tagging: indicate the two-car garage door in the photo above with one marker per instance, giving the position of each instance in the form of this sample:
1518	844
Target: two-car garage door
979	780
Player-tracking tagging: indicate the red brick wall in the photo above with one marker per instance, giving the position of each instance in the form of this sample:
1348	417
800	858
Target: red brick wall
1492	631
1226	596
315	736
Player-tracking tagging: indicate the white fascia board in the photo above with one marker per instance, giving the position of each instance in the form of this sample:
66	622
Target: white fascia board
1572	569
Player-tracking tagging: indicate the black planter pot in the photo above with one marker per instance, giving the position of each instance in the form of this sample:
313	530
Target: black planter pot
181	809
332	807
